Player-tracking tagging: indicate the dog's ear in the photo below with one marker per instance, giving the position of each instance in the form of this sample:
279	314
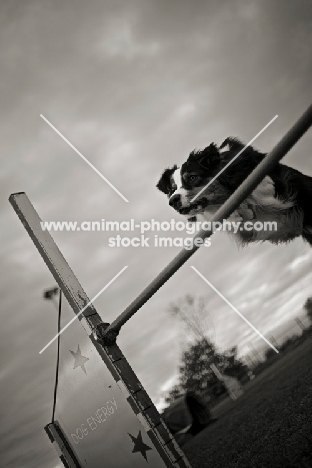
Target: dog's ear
208	157
164	184
231	144
241	167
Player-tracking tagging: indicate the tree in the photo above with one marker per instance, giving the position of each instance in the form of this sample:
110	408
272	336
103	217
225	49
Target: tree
200	351
195	372
194	315
269	353
308	307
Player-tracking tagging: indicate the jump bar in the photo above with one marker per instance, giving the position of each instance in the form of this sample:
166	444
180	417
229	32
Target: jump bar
249	184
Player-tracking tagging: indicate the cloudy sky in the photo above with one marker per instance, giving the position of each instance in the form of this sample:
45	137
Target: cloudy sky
135	86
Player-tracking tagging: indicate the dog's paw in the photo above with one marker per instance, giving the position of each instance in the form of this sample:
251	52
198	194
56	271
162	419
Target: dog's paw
249	214
246	212
235	217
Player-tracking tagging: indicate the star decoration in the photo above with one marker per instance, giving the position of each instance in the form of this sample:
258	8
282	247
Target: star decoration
80	360
139	445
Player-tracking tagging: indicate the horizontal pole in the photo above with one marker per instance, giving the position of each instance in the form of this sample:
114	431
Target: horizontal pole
249	184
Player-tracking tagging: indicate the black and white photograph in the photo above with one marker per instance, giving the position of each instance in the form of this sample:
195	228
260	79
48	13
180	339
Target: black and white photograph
156	234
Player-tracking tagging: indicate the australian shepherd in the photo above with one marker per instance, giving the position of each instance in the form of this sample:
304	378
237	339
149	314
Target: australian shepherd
283	196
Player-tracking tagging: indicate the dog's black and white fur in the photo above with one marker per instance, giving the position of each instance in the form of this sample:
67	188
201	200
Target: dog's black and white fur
284	195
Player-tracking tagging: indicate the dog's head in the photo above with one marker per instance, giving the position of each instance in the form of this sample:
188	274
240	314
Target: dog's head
186	187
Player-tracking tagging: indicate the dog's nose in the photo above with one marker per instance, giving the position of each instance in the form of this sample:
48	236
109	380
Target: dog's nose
175	201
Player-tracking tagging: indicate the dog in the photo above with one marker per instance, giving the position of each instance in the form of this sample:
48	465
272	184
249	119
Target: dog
284	196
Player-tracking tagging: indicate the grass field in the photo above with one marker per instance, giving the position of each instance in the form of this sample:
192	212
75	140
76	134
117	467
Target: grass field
269	426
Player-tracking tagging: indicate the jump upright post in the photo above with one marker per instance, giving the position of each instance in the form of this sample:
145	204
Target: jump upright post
104	417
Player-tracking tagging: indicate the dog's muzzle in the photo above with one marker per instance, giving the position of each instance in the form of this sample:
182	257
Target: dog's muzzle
175	201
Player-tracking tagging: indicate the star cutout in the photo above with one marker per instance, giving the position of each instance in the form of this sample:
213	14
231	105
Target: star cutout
139	445
80	360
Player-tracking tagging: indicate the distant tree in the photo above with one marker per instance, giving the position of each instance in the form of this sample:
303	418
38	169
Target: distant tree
308	307
199	352
194	316
196	374
269	353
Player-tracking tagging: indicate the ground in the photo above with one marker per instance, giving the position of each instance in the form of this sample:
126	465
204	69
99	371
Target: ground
269	426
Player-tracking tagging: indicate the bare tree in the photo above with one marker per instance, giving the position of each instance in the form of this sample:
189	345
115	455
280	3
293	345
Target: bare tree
194	316
200	351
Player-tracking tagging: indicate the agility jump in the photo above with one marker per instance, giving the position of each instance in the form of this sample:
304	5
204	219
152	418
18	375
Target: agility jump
268	163
136	433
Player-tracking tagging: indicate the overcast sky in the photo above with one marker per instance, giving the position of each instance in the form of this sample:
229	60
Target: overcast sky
135	86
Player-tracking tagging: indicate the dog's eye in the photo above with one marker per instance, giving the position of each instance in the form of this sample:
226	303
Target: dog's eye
192	178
